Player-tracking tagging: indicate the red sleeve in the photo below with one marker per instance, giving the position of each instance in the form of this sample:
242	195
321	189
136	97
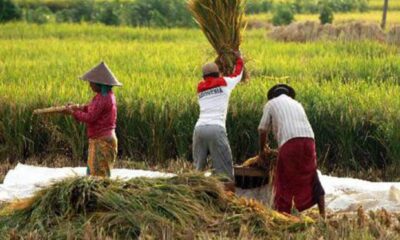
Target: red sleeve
238	68
91	113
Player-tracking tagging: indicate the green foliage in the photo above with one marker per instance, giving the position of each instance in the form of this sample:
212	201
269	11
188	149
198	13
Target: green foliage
313	6
39	15
167	13
152	13
377	5
155	13
63	16
326	14
347	5
349	90
305	6
108	15
9	11
283	15
258	6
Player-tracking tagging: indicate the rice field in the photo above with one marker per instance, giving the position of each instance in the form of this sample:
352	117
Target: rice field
393	17
375	4
378	4
350	92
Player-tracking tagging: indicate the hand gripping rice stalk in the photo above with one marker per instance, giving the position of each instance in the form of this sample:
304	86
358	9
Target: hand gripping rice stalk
222	23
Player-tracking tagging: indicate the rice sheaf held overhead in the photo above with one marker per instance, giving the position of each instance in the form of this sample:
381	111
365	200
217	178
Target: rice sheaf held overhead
222	22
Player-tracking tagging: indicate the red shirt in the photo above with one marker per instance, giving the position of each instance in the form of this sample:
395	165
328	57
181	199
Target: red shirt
100	115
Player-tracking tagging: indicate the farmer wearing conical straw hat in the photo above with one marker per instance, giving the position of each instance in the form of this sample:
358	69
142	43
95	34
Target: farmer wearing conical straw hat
210	133
100	117
296	179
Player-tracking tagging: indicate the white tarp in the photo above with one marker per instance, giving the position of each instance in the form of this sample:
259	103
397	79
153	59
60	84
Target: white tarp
342	194
24	180
347	194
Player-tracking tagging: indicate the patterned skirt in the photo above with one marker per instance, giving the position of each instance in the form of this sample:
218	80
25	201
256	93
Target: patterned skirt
102	155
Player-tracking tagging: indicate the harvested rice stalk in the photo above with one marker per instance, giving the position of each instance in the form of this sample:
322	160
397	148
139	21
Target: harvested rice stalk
268	165
52	110
140	208
222	23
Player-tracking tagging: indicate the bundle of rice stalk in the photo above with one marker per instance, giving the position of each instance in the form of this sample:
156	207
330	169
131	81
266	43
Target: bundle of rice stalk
222	23
52	110
178	207
393	36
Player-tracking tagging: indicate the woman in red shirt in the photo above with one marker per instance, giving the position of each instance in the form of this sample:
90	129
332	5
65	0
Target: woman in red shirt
100	117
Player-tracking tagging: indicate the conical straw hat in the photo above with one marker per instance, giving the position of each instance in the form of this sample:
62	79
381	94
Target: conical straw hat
101	74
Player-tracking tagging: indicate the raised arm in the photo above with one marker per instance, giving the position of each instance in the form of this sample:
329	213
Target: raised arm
237	74
238	68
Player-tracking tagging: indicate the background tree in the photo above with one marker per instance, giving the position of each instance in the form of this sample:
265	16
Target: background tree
9	11
283	15
326	14
385	9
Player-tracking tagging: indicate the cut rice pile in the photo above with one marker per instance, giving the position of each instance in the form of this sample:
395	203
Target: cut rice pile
313	31
393	36
185	206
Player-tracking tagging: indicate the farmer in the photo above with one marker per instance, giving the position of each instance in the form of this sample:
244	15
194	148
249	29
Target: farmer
100	118
210	133
296	180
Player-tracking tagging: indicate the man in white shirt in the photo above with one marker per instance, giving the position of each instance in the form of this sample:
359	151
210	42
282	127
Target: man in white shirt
210	135
296	177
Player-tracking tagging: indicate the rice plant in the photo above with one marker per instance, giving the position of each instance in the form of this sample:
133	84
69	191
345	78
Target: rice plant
349	90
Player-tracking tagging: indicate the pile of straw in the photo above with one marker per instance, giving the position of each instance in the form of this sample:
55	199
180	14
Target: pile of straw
313	31
222	23
256	24
185	206
393	36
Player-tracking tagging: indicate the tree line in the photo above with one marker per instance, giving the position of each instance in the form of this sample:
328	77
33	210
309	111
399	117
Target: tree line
148	13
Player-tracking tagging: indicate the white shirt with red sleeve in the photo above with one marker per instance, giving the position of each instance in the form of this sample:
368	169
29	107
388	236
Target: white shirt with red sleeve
286	118
214	93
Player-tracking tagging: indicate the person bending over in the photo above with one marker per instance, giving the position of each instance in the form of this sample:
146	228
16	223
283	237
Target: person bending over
296	178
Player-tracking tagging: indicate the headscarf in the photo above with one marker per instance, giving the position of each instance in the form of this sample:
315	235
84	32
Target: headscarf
104	89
